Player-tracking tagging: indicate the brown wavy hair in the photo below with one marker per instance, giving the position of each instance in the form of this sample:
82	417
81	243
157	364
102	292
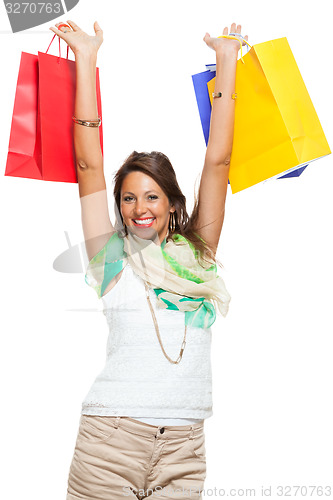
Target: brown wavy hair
158	166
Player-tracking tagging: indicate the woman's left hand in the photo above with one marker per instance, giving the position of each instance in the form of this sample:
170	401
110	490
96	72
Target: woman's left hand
223	44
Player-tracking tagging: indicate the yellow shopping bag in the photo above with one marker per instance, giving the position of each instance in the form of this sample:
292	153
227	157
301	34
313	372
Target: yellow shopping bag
276	129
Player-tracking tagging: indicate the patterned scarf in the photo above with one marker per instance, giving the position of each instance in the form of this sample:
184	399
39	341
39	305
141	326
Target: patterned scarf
179	281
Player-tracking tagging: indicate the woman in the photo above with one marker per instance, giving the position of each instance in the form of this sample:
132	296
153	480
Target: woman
142	424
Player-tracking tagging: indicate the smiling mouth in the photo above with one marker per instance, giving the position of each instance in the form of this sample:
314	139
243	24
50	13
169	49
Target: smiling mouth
143	222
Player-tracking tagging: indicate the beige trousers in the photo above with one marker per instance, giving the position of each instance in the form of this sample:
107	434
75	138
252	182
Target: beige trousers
120	457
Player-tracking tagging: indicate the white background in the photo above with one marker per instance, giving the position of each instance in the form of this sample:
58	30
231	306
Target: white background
272	354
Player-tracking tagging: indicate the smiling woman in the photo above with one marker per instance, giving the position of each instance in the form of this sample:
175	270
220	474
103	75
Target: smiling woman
151	182
143	203
156	272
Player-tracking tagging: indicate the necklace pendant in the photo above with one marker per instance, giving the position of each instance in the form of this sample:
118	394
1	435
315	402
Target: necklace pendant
158	333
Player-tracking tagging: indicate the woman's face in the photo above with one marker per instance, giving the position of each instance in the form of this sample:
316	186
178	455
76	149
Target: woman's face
142	198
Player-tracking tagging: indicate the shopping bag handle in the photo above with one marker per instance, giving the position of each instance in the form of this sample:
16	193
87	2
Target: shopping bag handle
237	38
59	48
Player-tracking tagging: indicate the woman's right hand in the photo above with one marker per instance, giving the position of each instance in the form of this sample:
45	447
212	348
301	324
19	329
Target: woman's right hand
78	40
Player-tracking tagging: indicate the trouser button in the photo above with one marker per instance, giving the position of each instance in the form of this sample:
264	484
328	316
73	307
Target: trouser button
162	430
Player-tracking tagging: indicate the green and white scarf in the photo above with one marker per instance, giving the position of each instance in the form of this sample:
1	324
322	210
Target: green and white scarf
172	268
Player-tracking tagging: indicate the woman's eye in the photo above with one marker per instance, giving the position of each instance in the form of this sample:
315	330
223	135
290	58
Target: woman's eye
127	198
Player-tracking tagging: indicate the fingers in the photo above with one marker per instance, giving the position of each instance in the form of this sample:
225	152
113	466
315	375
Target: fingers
225	31
238	30
58	32
74	26
65	28
62	32
98	29
233	28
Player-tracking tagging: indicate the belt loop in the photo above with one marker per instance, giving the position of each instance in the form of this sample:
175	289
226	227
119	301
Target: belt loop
116	424
191	433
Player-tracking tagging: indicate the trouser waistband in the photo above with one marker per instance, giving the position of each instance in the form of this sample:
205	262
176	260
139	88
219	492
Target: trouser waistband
148	430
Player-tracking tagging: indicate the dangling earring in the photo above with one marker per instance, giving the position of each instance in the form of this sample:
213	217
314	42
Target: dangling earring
172	222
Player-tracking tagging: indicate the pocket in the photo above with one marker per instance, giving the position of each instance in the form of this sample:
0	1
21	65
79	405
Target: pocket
96	429
197	446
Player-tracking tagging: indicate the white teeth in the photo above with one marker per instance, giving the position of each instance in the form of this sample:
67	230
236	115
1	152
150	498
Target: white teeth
146	221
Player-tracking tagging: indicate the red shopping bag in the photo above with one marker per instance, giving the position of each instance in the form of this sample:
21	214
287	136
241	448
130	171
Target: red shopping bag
41	143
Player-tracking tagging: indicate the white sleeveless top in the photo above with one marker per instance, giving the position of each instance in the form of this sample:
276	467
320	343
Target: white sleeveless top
137	380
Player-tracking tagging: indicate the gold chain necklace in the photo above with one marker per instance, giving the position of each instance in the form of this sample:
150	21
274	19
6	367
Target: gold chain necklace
158	333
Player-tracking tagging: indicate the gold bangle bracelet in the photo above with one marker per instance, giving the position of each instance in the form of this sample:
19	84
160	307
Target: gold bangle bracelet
87	123
219	94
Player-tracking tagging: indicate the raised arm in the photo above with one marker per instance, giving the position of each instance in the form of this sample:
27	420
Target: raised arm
96	222
215	173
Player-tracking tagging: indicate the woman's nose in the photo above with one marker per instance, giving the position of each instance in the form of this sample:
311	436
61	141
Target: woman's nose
140	208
